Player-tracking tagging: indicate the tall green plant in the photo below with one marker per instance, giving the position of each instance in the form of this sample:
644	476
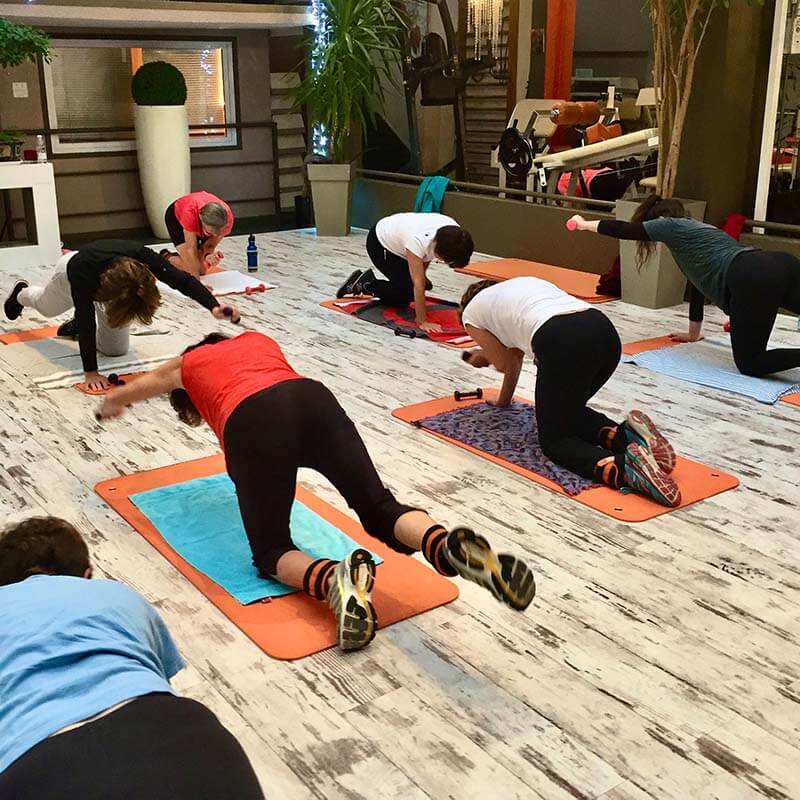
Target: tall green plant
20	43
350	59
679	27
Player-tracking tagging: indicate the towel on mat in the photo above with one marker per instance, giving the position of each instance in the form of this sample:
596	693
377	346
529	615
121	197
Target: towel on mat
710	363
200	520
509	433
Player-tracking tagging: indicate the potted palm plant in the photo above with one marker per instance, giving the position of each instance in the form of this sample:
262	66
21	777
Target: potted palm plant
18	44
355	47
679	28
162	138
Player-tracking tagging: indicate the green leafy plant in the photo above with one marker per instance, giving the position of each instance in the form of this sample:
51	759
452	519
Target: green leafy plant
158	83
679	27
352	55
11	136
20	43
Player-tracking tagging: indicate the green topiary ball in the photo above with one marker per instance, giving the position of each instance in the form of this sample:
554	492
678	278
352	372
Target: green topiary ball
158	84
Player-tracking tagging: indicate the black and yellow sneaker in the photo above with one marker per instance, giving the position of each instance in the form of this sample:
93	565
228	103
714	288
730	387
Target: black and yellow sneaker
349	596
507	577
12	306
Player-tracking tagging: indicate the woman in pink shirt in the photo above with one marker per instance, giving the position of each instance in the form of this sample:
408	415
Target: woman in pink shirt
197	223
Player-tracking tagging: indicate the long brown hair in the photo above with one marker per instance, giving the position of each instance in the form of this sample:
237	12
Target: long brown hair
470	293
179	398
128	291
654	207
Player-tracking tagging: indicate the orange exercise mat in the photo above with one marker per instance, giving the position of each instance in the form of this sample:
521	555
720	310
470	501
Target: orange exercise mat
696	481
582	285
292	626
15	337
657	342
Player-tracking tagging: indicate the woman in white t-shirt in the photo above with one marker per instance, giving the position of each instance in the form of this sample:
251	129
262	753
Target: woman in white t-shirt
401	247
576	349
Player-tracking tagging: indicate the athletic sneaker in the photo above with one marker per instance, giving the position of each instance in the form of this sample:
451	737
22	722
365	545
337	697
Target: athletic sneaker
68	329
348	287
349	598
508	578
643	474
12	306
643	431
363	284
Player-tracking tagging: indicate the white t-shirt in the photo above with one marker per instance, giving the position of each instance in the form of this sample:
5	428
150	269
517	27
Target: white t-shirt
411	231
514	310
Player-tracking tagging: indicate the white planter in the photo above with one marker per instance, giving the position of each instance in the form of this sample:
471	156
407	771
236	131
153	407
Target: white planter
162	146
660	282
330	190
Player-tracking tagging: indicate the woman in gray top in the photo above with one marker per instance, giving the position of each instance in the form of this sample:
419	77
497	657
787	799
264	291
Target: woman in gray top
749	285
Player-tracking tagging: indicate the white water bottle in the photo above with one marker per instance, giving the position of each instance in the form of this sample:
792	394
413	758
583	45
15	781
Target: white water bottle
41	150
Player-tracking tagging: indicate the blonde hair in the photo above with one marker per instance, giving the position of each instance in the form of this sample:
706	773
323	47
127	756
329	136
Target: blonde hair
128	292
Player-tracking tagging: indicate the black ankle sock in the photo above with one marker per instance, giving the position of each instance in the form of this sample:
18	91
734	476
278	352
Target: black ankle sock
432	549
315	580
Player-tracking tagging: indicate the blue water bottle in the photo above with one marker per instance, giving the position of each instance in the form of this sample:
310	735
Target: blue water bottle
252	253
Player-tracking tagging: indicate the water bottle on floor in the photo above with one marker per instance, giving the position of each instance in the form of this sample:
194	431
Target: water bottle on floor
252	253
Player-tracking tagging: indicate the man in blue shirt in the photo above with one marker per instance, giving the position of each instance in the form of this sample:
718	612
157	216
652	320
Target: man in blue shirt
86	708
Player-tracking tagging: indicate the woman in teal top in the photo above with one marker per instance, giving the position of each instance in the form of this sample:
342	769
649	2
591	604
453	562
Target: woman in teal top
749	285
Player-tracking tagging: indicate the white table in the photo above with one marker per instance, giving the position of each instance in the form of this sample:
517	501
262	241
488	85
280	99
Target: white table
39	178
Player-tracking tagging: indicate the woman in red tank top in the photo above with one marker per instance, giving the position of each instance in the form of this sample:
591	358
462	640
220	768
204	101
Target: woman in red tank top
270	421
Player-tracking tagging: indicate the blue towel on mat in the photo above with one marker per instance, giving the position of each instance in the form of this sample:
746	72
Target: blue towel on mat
200	520
430	194
710	363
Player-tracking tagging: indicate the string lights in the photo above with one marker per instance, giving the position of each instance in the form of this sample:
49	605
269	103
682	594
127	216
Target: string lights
485	20
320	141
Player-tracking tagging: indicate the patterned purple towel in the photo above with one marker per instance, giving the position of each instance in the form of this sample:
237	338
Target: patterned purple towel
508	433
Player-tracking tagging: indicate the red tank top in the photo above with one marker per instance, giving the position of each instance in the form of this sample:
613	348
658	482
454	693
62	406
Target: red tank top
218	377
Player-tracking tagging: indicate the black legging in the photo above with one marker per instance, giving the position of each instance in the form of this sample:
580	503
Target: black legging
759	284
159	747
398	290
576	354
294	424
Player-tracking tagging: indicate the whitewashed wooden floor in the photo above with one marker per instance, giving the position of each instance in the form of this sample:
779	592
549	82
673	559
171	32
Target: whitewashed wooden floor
660	660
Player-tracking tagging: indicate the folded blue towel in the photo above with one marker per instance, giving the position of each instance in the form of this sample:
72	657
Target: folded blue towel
200	520
710	363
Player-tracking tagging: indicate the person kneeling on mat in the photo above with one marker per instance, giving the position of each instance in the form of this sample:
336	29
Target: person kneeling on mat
270	421
86	706
110	283
401	247
749	285
576	349
197	223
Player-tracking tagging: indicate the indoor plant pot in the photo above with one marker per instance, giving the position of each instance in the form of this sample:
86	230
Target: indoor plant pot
353	53
10	146
331	193
162	139
659	283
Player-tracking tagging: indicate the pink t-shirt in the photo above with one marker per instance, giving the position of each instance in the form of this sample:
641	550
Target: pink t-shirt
187	212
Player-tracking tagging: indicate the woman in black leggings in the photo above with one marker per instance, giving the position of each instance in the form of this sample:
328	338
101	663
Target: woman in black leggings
576	349
270	421
750	285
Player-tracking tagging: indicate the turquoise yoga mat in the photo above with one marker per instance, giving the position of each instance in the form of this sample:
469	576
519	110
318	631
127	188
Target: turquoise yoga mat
200	520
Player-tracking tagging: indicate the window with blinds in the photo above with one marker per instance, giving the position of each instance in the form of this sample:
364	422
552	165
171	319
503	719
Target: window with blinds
88	87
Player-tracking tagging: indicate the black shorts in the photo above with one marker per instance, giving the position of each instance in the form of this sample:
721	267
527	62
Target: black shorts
175	229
